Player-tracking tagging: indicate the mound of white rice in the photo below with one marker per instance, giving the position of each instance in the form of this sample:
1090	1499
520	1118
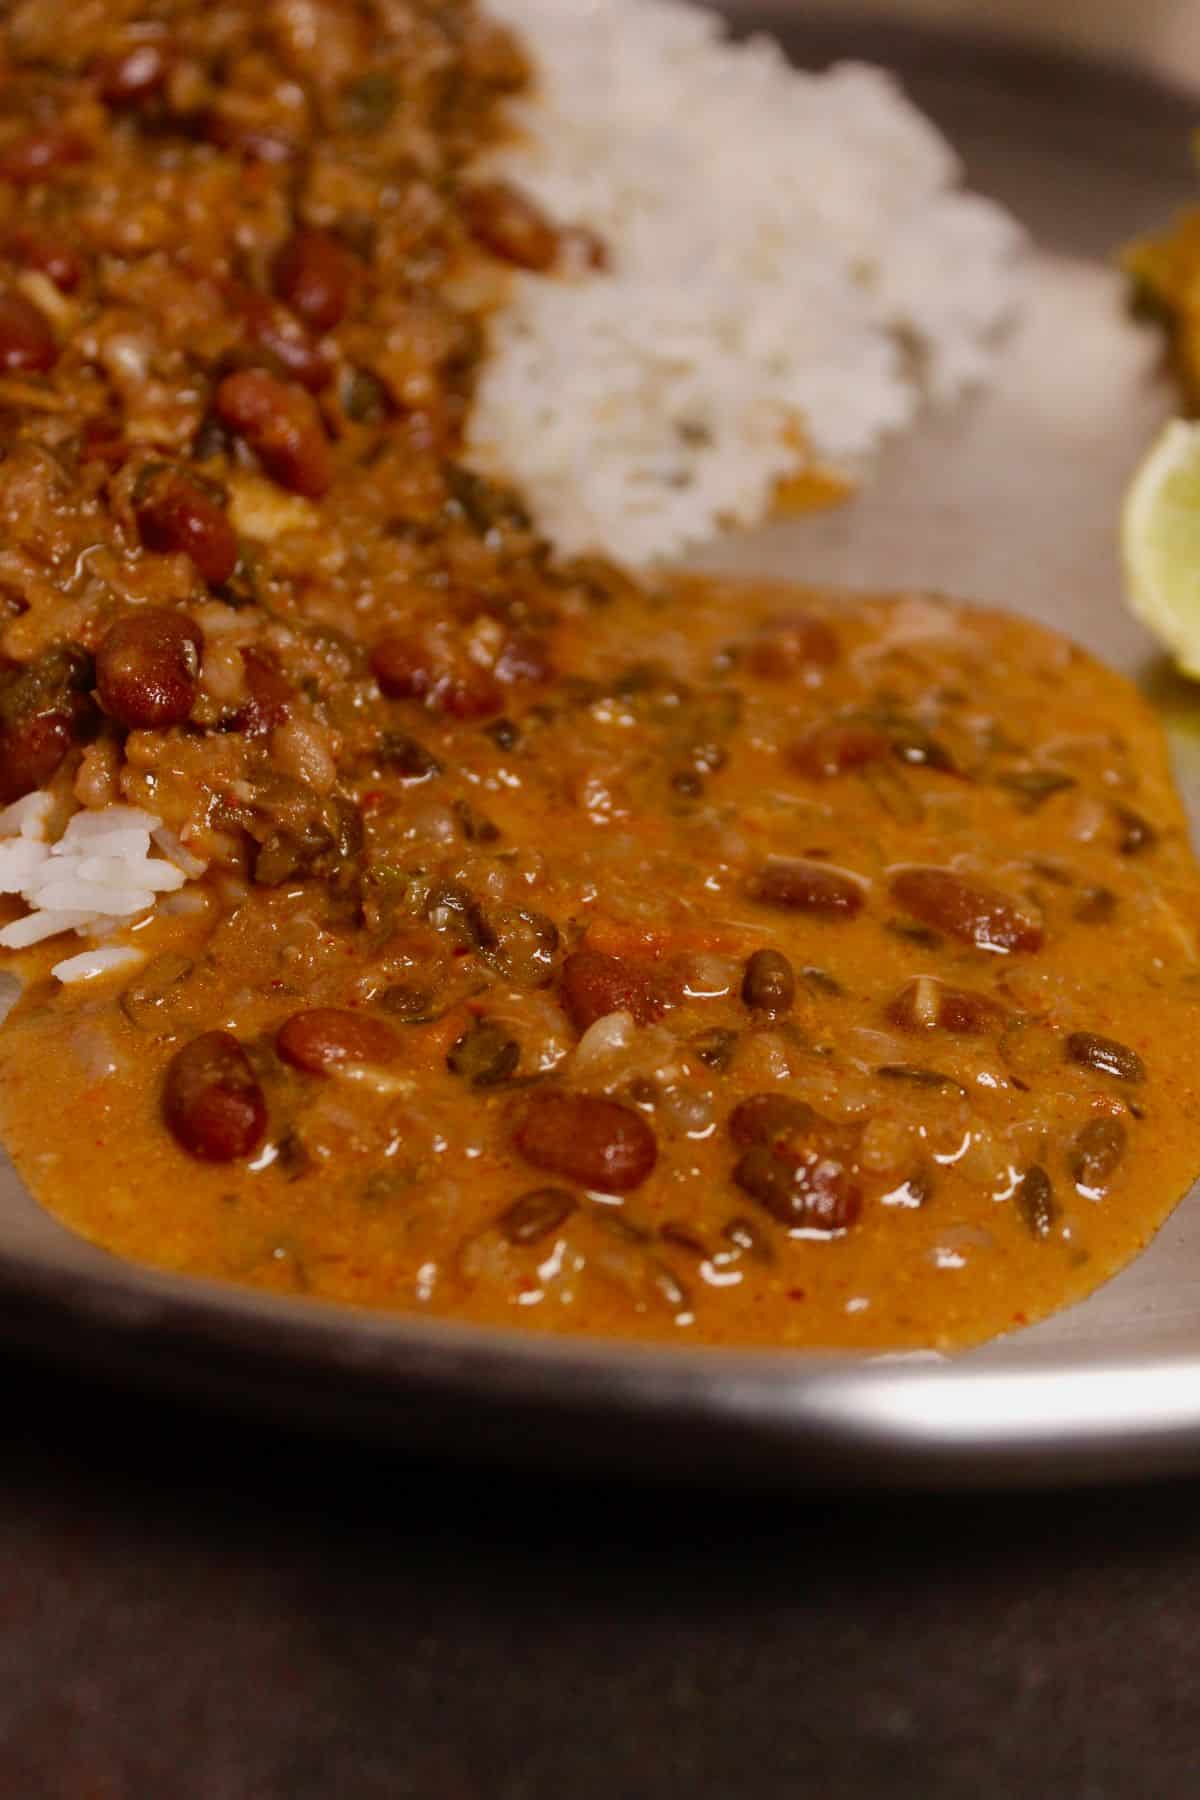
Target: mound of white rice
100	874
790	252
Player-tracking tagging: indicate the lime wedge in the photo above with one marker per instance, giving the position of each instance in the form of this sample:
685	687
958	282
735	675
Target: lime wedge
1160	542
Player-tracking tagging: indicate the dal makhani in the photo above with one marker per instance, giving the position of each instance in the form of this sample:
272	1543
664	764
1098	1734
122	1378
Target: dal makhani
415	915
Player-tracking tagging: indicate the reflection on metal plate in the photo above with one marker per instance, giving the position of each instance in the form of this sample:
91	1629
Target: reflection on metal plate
1011	500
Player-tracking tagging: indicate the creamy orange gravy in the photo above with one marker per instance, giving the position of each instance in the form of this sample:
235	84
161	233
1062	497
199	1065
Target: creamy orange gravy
1001	1125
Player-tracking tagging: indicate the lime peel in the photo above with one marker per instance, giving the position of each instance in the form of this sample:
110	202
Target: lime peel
1160	542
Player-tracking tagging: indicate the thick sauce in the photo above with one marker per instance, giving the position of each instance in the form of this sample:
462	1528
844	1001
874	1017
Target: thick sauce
887	915
685	962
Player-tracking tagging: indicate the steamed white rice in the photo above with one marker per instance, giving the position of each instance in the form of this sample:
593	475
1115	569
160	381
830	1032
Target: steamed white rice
99	876
790	253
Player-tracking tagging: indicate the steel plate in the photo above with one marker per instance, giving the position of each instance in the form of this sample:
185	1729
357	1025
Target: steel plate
1013	500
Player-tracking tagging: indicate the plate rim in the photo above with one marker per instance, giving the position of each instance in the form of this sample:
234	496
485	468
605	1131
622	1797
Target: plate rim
890	1421
727	1415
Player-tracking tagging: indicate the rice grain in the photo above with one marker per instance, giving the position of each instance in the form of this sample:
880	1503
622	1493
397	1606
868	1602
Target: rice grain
792	261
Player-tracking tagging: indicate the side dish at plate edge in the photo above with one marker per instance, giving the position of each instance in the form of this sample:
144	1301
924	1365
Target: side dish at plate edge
413	915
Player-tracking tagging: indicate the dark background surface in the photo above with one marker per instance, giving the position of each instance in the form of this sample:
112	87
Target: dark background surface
204	1611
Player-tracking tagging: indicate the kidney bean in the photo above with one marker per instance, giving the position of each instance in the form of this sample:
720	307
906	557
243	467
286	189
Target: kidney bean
324	1038
280	422
412	666
927	1005
769	985
213	1106
1105	1055
284	339
148	666
271	695
30	752
802	1167
807	887
593	1142
1035	1202
1096	1152
966	910
314	274
592	985
135	75
788	645
970	1015
765	1118
179	516
509	225
45	709
829	750
536	1214
41	156
815	1193
50	256
470	693
777	1119
27	342
406	667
